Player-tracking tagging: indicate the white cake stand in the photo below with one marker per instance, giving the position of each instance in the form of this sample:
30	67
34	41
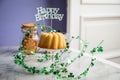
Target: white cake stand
51	52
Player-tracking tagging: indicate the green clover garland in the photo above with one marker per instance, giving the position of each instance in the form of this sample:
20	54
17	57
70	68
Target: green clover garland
57	67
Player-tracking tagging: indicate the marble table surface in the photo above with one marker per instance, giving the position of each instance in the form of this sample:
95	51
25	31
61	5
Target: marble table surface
103	69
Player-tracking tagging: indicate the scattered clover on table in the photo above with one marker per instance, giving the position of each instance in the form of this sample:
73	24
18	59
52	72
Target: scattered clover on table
58	68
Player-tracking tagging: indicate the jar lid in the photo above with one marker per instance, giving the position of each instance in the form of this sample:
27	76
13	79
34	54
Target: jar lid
29	25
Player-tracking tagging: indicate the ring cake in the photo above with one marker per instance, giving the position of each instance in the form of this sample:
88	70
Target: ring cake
52	40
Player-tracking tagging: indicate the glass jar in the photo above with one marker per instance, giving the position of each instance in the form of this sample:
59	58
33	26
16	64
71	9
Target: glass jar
30	38
31	27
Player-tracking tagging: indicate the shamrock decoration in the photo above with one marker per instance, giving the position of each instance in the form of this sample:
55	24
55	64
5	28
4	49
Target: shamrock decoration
57	67
71	75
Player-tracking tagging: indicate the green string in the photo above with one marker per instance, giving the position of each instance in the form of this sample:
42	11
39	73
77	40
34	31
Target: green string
57	68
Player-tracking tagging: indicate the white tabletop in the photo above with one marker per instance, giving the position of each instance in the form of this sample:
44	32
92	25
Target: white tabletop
103	70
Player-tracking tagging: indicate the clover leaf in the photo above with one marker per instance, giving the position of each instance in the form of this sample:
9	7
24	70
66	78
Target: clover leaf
100	49
70	75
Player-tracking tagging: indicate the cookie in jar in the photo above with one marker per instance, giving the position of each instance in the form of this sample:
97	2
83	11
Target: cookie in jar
30	38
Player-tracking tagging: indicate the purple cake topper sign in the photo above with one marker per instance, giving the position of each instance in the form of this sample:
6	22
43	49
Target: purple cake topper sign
48	13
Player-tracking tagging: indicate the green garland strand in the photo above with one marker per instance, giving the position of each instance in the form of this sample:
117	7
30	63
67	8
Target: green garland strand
57	67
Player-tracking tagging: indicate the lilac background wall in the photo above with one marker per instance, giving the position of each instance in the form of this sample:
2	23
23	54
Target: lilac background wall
15	12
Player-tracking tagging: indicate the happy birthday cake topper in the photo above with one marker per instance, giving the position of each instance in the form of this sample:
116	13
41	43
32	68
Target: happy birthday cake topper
48	13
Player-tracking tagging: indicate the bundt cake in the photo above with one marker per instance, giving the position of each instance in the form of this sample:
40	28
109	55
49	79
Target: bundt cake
52	40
